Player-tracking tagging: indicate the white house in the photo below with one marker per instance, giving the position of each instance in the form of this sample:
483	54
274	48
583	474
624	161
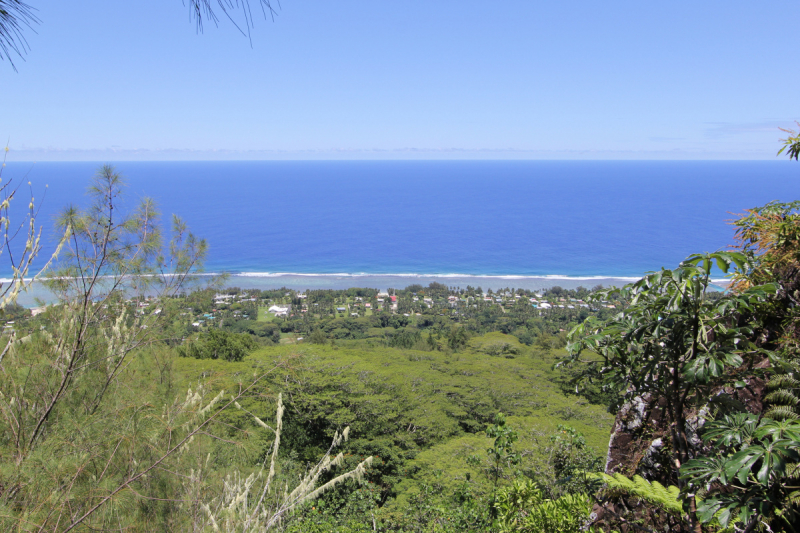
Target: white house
279	311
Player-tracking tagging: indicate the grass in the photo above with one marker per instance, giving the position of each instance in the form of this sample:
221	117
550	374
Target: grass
264	315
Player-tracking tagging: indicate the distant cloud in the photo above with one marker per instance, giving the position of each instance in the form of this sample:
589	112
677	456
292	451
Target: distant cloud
144	154
729	129
666	139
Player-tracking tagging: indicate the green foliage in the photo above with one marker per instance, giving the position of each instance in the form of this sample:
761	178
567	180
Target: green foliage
750	475
571	459
502	452
769	236
78	436
654	493
791	144
218	344
783	399
318	337
99	434
249	504
263	330
405	338
522	507
672	340
417	412
675	343
457	338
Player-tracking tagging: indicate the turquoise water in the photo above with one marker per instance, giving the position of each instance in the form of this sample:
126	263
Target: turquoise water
506	218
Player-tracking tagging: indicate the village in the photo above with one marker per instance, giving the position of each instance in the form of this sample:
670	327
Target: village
288	316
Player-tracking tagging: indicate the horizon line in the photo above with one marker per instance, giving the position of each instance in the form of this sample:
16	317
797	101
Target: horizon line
375	154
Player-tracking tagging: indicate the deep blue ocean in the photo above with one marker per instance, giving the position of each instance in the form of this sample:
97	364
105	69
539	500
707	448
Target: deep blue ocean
523	218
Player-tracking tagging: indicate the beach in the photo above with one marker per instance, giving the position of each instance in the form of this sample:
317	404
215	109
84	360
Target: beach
37	294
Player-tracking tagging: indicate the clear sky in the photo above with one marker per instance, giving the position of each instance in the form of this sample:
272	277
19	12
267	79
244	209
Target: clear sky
577	79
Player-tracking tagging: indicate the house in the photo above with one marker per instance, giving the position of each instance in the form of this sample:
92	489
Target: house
279	311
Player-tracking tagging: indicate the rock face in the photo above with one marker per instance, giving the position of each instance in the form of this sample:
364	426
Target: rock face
640	439
640	443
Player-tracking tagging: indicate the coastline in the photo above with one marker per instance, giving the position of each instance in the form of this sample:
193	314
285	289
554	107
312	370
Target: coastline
338	281
302	281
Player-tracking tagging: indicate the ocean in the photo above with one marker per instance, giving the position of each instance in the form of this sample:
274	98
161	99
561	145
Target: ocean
364	223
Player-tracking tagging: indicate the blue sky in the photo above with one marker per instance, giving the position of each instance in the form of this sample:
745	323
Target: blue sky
394	80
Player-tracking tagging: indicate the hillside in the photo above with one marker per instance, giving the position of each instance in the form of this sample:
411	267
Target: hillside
423	413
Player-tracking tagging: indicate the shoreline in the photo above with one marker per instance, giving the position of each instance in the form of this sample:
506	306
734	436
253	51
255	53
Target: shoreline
339	281
301	281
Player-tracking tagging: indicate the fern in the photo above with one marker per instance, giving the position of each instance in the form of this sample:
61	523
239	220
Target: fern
782	412
783	401
654	493
782	397
783	381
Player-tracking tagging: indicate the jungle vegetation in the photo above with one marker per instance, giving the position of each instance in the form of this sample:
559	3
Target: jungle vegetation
435	409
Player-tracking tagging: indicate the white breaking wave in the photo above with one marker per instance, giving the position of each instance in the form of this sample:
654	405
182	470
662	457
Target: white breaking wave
419	275
409	275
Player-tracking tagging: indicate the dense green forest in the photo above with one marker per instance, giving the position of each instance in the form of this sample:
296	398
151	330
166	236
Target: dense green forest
144	401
